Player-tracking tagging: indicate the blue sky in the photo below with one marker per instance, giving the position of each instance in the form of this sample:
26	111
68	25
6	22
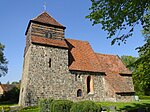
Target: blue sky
15	15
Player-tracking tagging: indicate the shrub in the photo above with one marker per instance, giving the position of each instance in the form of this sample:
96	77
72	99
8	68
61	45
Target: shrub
144	97
5	108
61	106
30	108
11	96
85	106
44	105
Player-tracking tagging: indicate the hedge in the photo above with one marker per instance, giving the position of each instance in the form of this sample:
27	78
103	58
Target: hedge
30	108
44	105
85	106
5	108
144	97
61	106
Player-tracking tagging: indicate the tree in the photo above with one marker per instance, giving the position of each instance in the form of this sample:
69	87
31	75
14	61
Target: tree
15	82
11	96
3	62
139	75
128	61
116	16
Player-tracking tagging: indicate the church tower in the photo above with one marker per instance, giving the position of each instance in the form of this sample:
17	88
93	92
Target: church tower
45	58
62	68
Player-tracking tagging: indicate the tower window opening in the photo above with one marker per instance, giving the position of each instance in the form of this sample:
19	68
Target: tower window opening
48	35
50	62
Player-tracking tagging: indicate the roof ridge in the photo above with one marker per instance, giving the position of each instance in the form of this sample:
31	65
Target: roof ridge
38	15
106	54
76	40
45	17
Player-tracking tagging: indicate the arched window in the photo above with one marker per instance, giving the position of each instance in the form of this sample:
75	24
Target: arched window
79	93
90	85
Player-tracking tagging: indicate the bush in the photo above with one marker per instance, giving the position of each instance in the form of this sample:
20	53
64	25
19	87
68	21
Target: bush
61	106
30	108
44	105
144	97
5	108
85	106
11	96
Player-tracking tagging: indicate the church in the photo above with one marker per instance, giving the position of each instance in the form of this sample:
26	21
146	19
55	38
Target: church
63	68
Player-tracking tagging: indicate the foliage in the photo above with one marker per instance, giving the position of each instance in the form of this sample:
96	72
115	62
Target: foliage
3	61
11	96
140	73
44	105
15	82
61	106
30	109
144	97
128	61
116	16
85	106
143	63
5	108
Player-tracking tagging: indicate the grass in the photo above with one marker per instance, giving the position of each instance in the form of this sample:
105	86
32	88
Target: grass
127	105
118	105
30	110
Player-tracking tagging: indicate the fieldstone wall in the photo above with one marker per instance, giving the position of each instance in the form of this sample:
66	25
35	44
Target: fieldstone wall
25	78
43	81
125	97
79	81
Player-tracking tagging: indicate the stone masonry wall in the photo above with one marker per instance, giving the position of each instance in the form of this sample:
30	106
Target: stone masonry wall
56	81
125	97
79	81
44	81
24	80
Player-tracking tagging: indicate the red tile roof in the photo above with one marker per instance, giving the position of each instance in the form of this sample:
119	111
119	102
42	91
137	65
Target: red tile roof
113	68
119	83
82	56
8	87
112	63
50	42
46	18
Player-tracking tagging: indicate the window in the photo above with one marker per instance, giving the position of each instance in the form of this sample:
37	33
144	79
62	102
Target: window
48	35
78	76
75	77
90	86
49	62
79	93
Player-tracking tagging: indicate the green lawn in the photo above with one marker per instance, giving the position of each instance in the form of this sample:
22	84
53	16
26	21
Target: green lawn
119	105
127	105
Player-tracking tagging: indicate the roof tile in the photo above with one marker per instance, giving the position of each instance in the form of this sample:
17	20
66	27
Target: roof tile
113	68
46	18
50	42
82	56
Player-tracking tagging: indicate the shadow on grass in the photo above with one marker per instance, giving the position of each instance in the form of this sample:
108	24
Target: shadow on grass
141	107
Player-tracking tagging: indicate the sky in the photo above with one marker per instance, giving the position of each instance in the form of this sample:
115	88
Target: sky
15	16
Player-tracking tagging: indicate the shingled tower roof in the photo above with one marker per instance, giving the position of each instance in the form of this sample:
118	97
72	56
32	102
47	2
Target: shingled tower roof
45	19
